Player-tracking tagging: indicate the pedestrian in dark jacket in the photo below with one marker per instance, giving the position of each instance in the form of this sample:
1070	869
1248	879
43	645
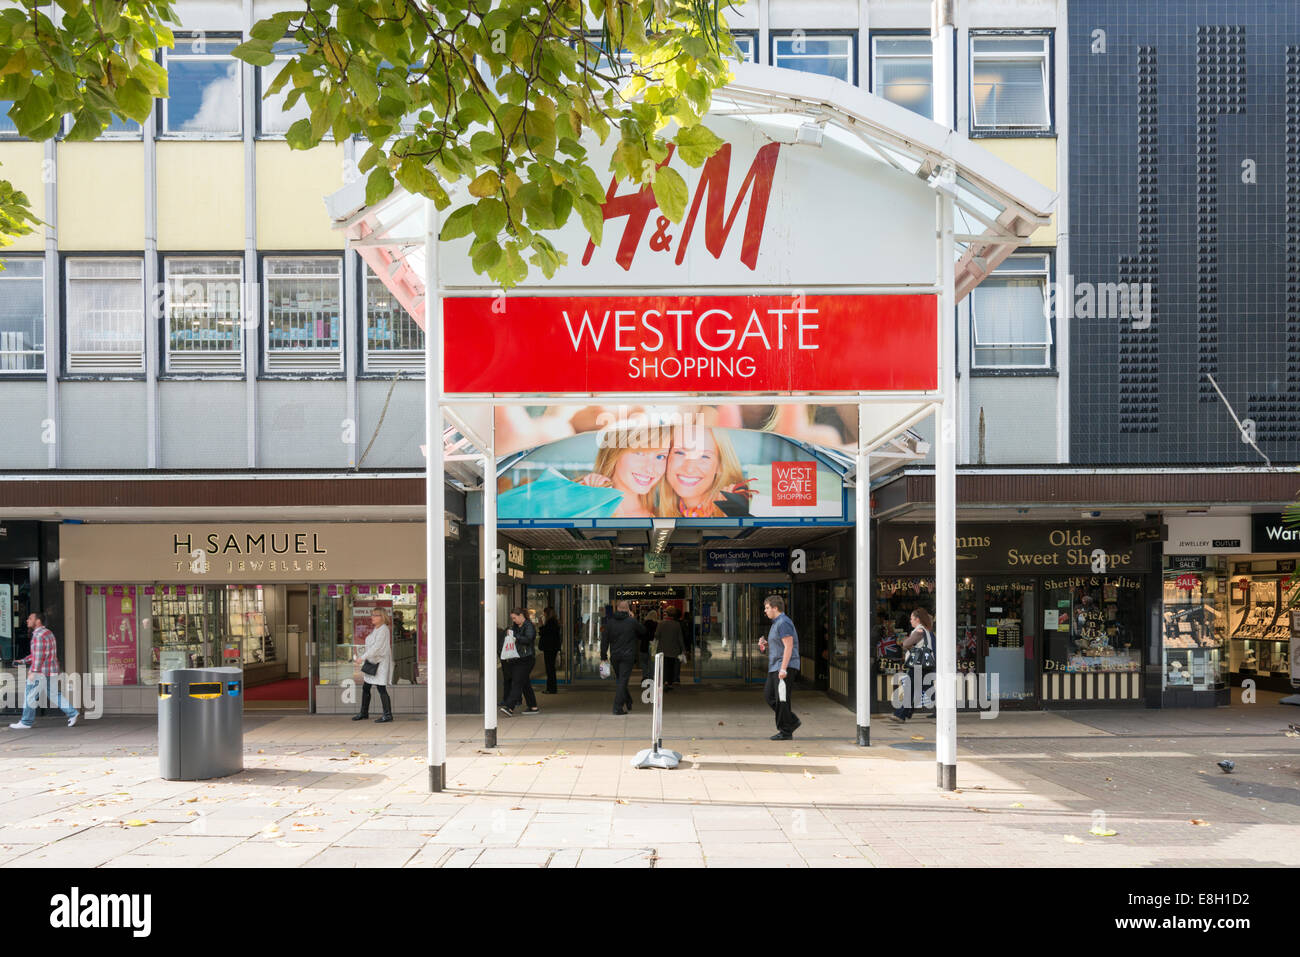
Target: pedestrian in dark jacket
672	644
521	688
620	641
549	644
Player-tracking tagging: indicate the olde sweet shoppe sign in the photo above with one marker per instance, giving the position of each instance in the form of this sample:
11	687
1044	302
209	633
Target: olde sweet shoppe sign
1097	549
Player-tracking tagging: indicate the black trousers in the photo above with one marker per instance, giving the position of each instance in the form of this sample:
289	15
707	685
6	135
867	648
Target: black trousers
520	685
549	658
786	722
622	672
383	697
672	671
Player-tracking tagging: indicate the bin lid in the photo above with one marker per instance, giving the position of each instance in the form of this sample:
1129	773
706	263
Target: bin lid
201	674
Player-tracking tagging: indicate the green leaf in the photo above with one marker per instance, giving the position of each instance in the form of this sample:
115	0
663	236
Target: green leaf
362	83
273	27
486	184
134	99
415	178
298	135
592	218
670	193
485	255
489	218
458	224
378	184
695	144
256	52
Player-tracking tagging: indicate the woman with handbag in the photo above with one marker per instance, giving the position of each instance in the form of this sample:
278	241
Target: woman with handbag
520	654
376	660
918	660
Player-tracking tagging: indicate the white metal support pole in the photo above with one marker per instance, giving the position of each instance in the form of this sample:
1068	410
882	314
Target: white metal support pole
862	583
435	508
945	462
490	587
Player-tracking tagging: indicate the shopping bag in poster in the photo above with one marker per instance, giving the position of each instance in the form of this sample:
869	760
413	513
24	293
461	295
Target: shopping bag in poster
554	496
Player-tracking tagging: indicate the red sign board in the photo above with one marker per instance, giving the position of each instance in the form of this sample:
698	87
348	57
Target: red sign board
1188	582
768	343
794	483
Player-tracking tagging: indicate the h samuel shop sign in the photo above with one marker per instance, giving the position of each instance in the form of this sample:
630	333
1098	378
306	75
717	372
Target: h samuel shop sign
316	552
1095	549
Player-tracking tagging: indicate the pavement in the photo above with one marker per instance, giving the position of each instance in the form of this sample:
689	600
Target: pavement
1081	789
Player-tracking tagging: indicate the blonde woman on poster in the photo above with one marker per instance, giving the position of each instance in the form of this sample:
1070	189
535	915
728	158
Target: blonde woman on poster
702	469
634	470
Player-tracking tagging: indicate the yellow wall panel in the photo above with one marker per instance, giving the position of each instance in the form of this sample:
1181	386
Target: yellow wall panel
21	164
1036	157
291	190
200	196
101	195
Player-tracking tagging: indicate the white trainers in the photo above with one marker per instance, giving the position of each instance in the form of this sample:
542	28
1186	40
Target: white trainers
72	720
19	726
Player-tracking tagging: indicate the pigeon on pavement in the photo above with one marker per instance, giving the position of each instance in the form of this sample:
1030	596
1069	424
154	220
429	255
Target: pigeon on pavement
1227	766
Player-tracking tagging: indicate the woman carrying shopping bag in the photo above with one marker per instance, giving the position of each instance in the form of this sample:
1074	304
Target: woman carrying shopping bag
919	651
376	661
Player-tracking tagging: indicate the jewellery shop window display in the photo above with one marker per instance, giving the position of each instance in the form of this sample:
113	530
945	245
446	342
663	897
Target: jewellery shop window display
1195	628
342	615
1260	597
136	632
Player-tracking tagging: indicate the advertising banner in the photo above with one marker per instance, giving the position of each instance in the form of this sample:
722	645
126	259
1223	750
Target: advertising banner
6	621
648	344
746	559
1098	549
1272	533
1208	535
670	466
119	641
573	561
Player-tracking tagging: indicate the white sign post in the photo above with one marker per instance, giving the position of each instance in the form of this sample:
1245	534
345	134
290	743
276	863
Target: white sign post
655	756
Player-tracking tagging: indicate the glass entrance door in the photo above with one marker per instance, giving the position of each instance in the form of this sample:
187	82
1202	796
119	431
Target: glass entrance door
1008	643
537	598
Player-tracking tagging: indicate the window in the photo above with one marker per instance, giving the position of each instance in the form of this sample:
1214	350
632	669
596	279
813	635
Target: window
748	44
8	129
1010	327
827	54
204	86
903	73
1009	84
204	315
275	119
105	315
22	316
304	326
393	340
117	129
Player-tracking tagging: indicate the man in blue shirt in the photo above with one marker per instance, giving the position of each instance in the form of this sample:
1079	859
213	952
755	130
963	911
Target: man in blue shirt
782	647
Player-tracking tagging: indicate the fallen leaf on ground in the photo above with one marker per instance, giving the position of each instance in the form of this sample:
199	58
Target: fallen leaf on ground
1198	822
1110	779
1017	804
980	810
808	775
136	822
1071	839
794	754
917	737
304	828
620	801
720	723
1102	832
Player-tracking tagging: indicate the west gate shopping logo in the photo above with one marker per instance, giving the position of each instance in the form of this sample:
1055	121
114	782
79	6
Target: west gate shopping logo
794	484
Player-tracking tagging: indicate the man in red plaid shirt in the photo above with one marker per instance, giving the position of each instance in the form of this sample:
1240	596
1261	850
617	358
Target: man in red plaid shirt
42	675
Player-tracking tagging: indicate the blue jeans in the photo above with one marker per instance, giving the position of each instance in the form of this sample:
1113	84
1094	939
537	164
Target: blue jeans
44	687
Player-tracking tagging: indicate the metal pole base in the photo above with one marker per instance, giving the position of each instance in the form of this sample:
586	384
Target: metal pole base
864	737
947	776
489	737
437	777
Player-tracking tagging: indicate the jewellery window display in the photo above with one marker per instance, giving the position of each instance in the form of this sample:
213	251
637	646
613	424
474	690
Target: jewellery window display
342	622
1092	624
187	628
1260	622
1195	630
246	624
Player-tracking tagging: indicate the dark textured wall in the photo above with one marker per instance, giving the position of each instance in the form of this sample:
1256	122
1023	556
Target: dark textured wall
1160	126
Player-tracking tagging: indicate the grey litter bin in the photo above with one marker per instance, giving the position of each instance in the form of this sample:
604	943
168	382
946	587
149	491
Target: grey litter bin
200	723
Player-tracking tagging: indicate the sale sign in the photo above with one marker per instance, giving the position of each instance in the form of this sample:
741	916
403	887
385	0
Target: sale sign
120	641
621	344
794	484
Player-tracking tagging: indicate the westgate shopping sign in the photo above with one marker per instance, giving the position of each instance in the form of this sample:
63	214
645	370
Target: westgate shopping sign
813	343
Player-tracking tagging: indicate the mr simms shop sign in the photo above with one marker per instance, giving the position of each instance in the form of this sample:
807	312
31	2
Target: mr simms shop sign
324	552
1094	549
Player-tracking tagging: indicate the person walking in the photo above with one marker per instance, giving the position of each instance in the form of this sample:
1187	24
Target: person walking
782	647
649	623
549	643
521	668
376	660
913	670
672	645
42	675
620	640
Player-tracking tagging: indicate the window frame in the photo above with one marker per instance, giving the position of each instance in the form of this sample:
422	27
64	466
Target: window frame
66	261
286	368
851	35
1048	261
165	367
412	367
10	374
874	60
164	103
1048	36
752	37
262	81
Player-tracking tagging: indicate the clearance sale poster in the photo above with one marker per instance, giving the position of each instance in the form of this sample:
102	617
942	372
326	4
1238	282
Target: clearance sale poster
120	640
